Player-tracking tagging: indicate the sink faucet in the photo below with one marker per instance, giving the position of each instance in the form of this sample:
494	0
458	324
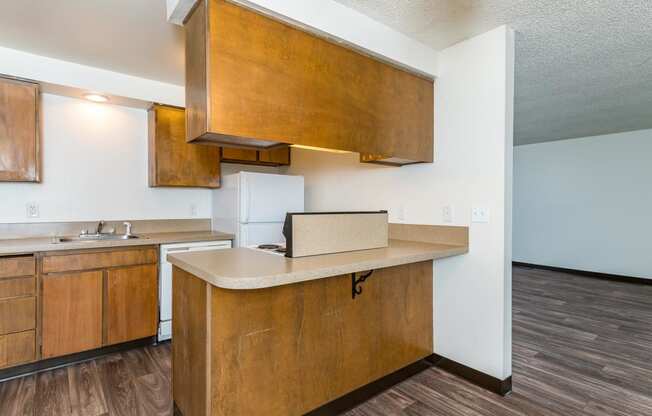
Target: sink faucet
100	226
127	225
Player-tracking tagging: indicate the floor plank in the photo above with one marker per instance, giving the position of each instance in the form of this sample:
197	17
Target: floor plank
582	347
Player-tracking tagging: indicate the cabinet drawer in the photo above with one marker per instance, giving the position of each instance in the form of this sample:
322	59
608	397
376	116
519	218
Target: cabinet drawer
17	348
17	286
16	266
98	260
18	314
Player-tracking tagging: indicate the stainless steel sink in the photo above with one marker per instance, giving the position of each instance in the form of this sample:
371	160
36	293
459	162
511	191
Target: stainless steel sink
92	237
98	235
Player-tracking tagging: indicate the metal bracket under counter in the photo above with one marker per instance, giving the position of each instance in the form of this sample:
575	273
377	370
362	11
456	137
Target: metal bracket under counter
356	288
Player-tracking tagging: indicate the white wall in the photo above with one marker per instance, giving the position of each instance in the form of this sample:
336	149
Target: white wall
585	203
74	79
95	167
473	168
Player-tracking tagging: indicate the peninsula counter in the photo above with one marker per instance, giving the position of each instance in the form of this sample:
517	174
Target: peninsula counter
259	334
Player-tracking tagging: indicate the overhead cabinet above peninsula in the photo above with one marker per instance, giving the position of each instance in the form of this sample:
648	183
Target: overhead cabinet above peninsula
255	82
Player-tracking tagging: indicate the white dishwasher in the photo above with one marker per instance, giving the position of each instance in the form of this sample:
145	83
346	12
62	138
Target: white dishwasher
165	280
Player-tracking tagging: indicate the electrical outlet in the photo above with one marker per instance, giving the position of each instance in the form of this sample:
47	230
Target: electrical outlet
32	210
193	210
447	214
480	214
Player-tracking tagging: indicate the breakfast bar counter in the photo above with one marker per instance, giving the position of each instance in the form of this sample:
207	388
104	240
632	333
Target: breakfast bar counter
244	268
256	333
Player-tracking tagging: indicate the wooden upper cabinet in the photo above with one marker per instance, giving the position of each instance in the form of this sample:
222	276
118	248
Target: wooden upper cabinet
254	81
279	156
172	161
19	131
232	154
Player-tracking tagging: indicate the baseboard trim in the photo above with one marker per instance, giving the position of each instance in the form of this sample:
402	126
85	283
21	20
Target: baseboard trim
493	384
585	273
364	393
58	362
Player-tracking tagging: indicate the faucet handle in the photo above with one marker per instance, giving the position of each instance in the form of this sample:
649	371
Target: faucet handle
127	224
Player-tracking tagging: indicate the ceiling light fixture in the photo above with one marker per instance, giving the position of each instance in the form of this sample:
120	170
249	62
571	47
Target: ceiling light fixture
96	98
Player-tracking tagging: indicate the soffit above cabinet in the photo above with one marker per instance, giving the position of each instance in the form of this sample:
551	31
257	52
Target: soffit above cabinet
256	82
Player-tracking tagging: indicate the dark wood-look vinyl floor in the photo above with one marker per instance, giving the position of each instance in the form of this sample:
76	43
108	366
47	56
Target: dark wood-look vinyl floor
582	347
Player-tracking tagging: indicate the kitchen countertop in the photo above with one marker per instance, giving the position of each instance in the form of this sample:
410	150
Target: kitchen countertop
32	245
243	268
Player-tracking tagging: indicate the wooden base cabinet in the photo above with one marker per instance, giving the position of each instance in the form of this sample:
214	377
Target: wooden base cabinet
72	313
287	350
96	298
131	303
18	310
17	348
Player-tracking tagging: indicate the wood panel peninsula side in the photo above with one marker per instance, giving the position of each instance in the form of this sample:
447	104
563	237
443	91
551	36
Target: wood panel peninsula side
255	333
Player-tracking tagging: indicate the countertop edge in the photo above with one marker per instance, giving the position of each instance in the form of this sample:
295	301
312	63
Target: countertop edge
265	282
149	239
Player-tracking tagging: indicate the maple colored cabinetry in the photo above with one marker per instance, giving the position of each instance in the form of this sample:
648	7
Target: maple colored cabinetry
96	298
131	303
254	81
18	310
172	161
72	313
19	134
275	157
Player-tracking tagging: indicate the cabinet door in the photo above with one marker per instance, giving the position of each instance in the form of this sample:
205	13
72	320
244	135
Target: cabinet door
280	156
72	313
172	161
230	154
132	303
19	142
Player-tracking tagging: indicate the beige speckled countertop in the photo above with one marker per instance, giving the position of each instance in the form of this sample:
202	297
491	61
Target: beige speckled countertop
243	268
33	245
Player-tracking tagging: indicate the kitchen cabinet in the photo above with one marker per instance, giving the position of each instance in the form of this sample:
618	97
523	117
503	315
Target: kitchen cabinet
17	348
254	81
18	310
99	297
234	155
72	313
172	161
19	131
274	157
132	303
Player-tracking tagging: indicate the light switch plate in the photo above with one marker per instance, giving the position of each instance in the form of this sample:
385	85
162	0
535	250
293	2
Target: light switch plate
447	214
400	214
480	214
32	210
193	210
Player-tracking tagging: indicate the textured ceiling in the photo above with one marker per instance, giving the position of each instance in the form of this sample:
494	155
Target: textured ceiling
129	36
583	68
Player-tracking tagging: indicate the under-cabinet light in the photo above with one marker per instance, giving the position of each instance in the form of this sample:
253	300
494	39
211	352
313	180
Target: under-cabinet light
319	149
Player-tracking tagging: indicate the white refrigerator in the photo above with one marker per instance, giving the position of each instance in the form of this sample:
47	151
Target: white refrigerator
253	206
